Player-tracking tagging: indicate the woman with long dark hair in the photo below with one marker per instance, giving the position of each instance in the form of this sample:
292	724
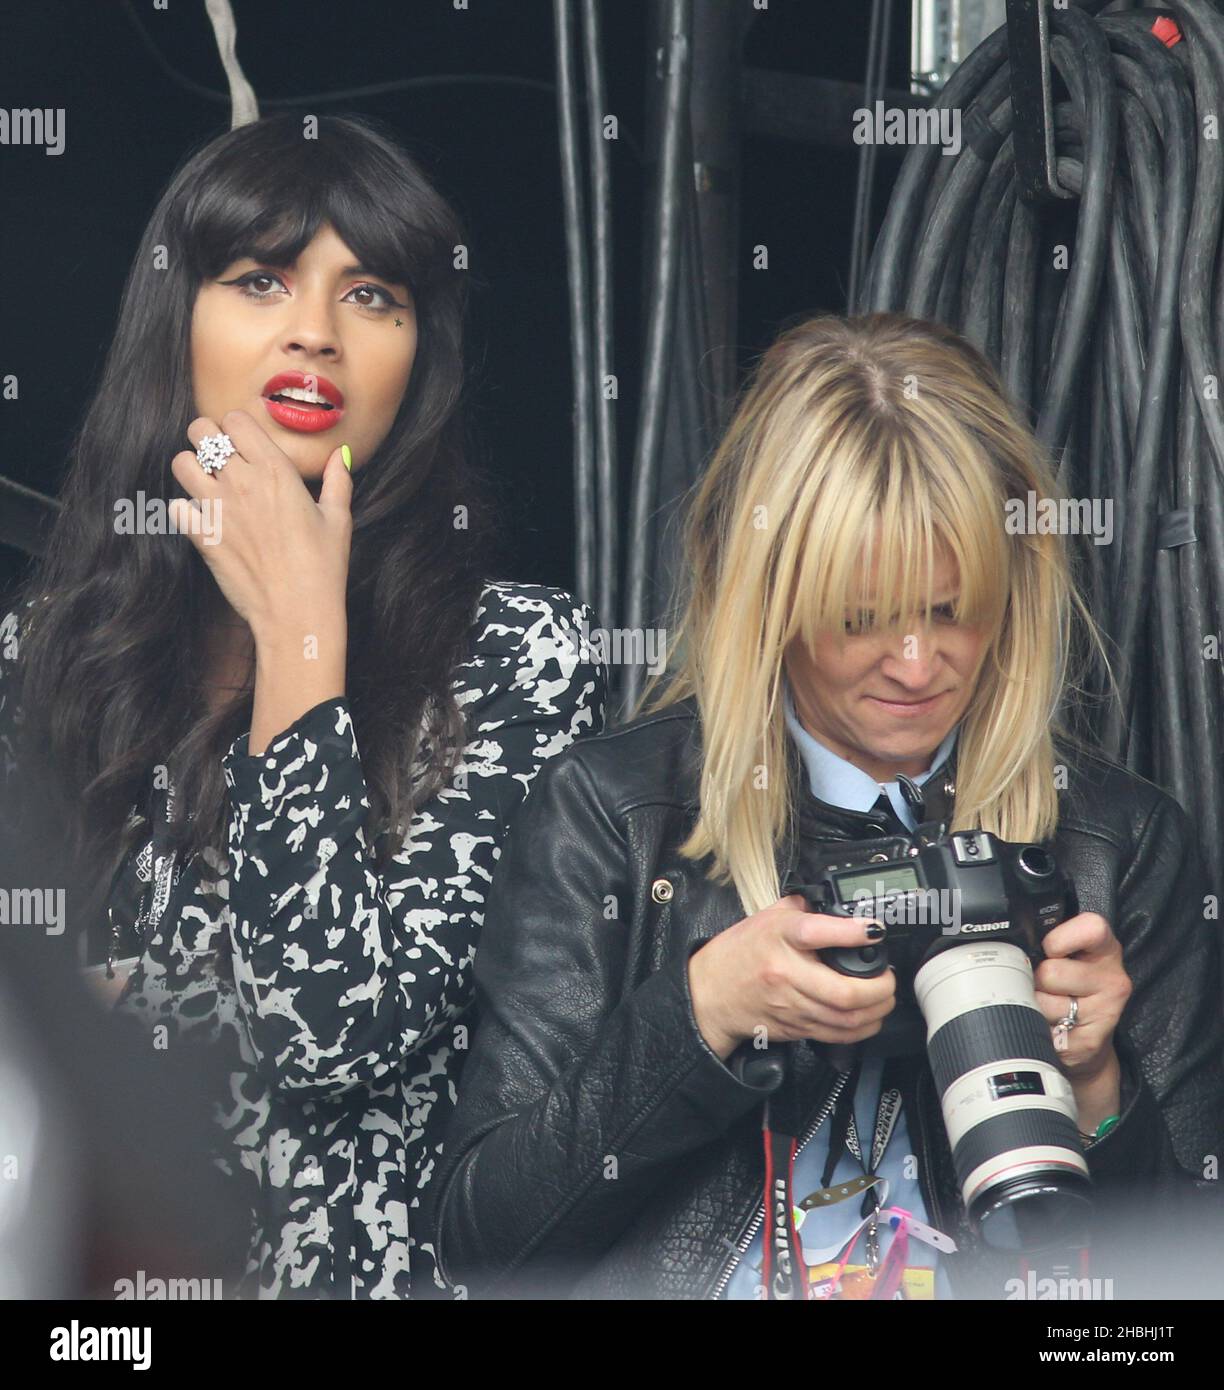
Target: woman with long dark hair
288	714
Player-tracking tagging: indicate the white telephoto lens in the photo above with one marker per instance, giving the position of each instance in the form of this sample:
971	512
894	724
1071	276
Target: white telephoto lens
1008	1107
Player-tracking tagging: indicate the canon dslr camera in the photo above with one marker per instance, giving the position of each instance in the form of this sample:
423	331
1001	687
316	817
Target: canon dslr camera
966	913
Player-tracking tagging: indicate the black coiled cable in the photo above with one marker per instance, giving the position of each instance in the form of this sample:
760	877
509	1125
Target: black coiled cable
1112	348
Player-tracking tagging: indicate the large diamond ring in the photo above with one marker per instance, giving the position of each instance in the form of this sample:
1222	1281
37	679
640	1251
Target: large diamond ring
213	450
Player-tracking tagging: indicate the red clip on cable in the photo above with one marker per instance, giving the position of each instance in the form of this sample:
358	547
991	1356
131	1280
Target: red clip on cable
1166	31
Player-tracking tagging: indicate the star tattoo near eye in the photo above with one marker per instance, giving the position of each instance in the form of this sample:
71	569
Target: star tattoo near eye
399	323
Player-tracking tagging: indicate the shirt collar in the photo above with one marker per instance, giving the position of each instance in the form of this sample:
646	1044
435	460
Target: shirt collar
837	782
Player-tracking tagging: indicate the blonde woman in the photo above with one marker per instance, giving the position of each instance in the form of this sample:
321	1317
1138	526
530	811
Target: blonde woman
866	640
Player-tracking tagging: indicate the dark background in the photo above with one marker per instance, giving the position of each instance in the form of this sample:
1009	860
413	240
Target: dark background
71	223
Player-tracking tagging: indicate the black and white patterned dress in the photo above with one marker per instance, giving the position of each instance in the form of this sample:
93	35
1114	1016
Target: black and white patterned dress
337	993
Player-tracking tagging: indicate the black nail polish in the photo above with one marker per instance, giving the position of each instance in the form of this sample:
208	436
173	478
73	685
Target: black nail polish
875	930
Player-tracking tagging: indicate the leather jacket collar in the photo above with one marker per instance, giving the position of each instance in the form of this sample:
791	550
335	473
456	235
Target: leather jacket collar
814	818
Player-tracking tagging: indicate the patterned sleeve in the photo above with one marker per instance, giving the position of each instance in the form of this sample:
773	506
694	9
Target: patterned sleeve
342	970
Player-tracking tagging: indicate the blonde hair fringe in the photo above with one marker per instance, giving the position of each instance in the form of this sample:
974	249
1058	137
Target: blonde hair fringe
851	434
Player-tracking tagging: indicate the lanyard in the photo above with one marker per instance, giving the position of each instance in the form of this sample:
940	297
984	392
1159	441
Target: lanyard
845	1136
784	1273
153	873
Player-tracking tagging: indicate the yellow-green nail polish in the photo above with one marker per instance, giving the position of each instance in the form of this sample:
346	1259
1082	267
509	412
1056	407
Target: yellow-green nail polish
347	455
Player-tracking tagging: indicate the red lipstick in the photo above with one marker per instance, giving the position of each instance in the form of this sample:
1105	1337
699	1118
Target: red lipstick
280	397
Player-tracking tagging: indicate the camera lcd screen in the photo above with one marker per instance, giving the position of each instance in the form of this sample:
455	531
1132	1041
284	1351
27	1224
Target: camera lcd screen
876	883
1016	1083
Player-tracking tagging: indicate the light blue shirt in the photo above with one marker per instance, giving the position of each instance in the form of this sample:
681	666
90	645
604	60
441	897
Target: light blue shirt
839	783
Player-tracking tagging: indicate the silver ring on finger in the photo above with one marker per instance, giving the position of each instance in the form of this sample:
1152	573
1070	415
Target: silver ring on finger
1072	1015
213	450
1065	1024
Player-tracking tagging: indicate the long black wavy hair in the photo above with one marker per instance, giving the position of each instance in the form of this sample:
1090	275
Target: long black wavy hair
110	644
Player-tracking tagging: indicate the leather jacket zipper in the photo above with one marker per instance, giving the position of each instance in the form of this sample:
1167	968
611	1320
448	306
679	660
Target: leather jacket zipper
749	1231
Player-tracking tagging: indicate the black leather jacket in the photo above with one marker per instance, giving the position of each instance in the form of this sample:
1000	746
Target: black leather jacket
601	1149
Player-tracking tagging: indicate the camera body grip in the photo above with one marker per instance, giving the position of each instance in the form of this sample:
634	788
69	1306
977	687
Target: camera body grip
859	962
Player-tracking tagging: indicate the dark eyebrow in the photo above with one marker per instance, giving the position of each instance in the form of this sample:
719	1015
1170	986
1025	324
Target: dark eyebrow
253	254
